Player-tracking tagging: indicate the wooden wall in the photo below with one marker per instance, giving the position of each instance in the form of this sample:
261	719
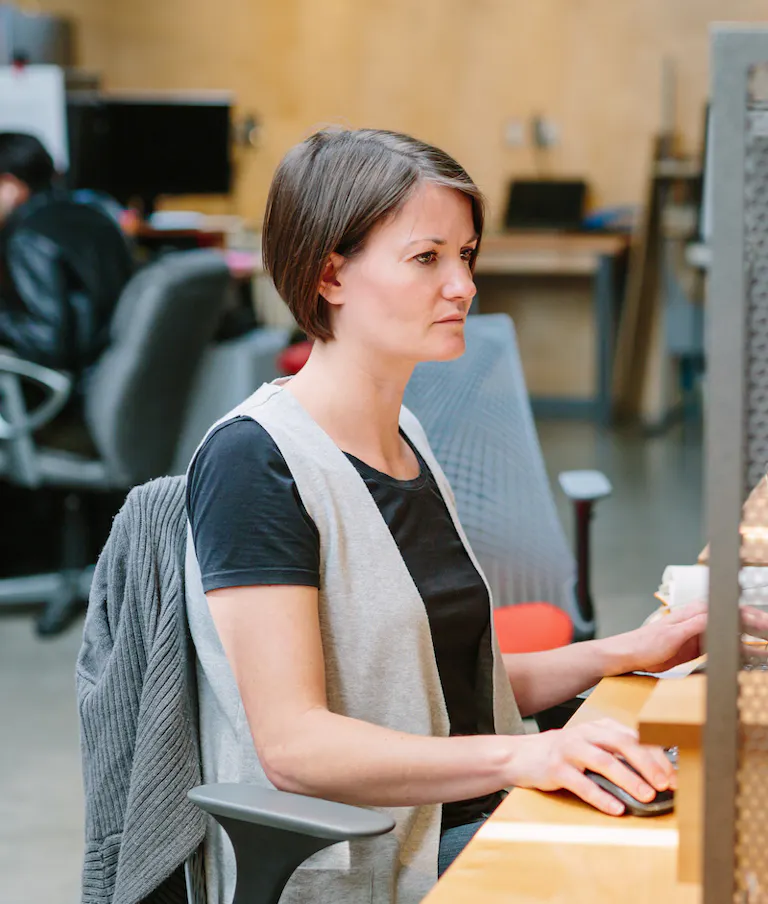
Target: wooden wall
449	71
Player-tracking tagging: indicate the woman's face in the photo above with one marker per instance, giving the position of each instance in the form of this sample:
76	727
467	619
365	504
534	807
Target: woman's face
407	294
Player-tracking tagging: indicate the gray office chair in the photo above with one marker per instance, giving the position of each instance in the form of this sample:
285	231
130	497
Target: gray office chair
136	668
134	404
229	372
477	416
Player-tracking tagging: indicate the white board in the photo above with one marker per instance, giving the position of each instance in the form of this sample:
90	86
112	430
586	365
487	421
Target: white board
33	100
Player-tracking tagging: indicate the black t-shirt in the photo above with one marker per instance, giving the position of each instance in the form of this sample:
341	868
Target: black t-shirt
250	527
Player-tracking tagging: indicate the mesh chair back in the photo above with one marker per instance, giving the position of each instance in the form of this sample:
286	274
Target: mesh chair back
477	416
136	395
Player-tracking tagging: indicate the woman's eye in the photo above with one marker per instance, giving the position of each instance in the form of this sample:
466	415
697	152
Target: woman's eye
429	257
426	257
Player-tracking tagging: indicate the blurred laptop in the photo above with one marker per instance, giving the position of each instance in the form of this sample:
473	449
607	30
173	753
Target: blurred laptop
550	205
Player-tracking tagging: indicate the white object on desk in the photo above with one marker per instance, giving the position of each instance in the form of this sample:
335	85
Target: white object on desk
683	584
176	219
33	100
698	255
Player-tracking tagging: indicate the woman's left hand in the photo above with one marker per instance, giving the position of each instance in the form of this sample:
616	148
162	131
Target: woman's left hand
662	644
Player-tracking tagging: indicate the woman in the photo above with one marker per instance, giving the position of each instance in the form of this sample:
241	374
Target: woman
327	557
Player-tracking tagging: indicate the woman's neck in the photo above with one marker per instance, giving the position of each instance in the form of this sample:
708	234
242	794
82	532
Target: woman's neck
357	402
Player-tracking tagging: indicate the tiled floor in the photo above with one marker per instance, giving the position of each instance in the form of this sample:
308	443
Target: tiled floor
653	518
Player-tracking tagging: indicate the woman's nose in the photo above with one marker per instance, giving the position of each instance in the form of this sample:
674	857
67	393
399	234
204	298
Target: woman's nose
460	284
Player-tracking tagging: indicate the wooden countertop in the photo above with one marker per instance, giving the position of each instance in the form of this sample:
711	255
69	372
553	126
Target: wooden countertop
675	714
542	253
552	848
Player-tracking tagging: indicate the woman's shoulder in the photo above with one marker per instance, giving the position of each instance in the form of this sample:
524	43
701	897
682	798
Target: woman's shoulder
248	522
237	446
240	434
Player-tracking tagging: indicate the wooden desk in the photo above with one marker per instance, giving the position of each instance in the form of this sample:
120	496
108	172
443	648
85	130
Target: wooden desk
243	265
565	300
179	238
551	254
674	716
552	848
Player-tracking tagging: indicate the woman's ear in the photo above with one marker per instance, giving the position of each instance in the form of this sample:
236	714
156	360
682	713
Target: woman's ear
330	284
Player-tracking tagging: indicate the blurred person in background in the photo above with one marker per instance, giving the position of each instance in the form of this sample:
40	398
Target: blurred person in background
63	264
63	261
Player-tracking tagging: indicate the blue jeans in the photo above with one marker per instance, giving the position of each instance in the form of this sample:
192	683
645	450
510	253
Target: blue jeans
452	843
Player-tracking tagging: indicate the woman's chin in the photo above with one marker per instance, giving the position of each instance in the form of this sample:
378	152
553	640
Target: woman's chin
447	350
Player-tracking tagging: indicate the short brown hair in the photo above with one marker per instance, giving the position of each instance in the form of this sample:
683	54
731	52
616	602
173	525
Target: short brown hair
327	195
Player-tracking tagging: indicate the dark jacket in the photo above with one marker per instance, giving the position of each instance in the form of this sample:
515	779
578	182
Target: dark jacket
136	696
63	265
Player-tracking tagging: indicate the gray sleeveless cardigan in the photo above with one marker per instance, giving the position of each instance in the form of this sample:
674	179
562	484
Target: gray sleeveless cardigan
379	660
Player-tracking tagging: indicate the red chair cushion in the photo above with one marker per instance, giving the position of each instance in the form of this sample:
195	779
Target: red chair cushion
292	359
530	627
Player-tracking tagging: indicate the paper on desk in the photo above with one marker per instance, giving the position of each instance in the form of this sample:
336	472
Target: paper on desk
680	671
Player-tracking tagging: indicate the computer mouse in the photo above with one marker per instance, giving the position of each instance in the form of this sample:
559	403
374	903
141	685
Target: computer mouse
664	802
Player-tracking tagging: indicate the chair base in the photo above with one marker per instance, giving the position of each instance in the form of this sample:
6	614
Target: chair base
61	594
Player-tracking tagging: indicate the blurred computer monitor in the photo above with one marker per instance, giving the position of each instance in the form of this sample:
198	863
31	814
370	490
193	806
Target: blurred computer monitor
144	147
546	204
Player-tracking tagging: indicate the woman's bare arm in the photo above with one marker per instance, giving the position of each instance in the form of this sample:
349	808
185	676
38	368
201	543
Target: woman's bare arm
271	636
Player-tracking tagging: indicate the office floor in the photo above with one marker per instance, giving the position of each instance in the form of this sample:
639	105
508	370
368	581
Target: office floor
653	519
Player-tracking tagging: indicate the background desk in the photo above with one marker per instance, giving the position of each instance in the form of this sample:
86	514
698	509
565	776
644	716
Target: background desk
564	293
552	848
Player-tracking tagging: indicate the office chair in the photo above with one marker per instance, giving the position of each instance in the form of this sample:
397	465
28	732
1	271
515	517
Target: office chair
134	400
477	416
137	666
229	372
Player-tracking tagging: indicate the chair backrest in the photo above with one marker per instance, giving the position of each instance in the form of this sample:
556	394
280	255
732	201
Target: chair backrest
230	371
477	416
136	394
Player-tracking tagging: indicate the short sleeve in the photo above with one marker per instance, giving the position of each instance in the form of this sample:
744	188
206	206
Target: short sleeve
249	524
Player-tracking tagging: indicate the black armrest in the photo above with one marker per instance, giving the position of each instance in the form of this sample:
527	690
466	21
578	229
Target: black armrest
584	489
273	832
559	715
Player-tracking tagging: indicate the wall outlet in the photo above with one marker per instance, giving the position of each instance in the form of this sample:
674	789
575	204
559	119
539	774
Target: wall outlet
514	132
546	132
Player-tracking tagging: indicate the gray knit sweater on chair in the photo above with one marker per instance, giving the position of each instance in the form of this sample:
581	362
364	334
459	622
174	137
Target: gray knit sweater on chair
136	700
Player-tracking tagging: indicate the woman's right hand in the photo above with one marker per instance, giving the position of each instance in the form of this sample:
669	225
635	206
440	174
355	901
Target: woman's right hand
557	759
